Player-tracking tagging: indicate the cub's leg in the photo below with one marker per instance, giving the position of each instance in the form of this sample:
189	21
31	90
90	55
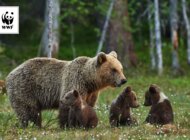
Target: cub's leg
63	116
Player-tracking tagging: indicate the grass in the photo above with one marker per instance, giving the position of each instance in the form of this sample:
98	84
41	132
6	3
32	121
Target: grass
177	89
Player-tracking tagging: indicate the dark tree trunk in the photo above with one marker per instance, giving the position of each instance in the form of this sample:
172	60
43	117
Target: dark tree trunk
174	34
119	36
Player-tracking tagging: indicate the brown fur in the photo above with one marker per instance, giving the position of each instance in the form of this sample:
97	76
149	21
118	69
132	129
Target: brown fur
43	81
2	87
80	113
168	128
160	112
120	113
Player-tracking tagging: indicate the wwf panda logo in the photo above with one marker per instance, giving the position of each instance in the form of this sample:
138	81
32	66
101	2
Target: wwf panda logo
8	18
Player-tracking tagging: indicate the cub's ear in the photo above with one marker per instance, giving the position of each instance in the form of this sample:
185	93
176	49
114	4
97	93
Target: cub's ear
101	58
113	53
154	89
128	89
76	94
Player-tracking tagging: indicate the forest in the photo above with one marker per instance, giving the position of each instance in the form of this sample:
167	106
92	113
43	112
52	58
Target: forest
152	42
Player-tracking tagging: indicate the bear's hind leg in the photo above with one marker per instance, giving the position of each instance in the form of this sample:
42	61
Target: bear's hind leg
114	120
23	115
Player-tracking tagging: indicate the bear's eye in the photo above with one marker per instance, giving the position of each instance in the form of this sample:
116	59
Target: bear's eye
114	70
135	99
67	98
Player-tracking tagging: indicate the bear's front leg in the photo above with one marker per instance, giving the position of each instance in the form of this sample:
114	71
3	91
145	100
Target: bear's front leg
153	119
92	98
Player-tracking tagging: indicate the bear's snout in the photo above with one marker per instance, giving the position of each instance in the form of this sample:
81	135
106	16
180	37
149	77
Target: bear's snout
137	106
123	81
146	104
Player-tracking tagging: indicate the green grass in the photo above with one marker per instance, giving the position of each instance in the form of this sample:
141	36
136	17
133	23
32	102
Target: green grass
177	89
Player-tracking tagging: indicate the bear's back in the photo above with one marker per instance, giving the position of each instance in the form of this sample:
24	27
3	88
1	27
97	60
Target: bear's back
37	79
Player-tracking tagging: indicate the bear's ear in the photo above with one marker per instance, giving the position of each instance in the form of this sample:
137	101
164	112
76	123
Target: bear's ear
153	89
113	53
101	58
128	89
76	94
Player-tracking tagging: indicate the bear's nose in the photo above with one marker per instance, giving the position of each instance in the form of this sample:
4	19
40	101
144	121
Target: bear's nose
123	81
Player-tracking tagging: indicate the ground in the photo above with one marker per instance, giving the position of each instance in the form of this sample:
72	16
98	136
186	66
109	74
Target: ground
177	89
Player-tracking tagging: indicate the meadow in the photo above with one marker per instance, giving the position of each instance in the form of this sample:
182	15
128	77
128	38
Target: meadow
176	88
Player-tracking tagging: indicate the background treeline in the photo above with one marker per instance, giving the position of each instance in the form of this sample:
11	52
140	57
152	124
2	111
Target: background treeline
148	35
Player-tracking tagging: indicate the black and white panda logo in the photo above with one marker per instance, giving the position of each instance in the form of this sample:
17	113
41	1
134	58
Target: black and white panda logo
7	18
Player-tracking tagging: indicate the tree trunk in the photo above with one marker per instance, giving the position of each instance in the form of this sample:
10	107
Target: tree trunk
187	28
158	38
151	32
120	38
174	34
50	39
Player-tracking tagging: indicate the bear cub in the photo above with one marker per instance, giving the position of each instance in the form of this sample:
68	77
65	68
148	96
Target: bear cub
120	112
80	113
161	110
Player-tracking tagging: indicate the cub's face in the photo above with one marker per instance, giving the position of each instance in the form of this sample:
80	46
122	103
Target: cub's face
70	97
131	98
152	96
110	70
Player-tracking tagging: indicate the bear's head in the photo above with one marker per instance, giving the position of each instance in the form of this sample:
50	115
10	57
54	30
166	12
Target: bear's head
110	70
9	16
70	98
152	96
130	97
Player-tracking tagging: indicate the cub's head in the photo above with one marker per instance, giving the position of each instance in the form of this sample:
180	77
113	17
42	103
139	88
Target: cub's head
110	70
70	97
152	96
130	97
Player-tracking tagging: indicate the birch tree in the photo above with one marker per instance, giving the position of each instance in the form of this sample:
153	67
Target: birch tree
174	34
103	35
187	25
151	33
50	39
158	37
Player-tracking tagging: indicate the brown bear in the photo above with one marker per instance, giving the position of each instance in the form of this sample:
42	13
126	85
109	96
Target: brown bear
39	83
80	113
2	87
161	110
120	112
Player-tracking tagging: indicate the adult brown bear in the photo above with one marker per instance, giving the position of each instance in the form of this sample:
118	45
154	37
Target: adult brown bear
39	83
